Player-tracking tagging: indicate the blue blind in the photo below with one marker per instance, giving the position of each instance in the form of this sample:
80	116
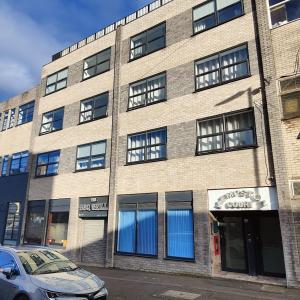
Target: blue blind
180	233
147	233
126	237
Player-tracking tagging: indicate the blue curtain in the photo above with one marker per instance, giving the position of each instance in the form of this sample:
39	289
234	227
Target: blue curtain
126	236
180	233
147	232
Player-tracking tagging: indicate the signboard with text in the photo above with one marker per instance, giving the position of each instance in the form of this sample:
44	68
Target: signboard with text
260	198
93	207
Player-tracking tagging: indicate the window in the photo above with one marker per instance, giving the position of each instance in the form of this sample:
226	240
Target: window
19	163
47	164
52	121
5	120
12	118
148	91
137	224
56	81
93	108
12	224
91	156
224	67
284	11
147	146
26	113
215	12
148	41
180	225
226	132
4	165
7	260
53	228
58	220
97	64
35	223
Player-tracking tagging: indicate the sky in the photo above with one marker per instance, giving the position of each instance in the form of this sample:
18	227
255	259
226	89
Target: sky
31	31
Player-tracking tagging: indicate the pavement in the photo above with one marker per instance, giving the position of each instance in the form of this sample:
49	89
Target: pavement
137	285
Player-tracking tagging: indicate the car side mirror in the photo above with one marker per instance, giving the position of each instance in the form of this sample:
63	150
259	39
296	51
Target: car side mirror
8	272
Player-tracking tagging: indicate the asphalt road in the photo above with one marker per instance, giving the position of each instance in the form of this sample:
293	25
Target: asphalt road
133	285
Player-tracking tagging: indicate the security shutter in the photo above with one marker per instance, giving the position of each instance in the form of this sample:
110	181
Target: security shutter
94	241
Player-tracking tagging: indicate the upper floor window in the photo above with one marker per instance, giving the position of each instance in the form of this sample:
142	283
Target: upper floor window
12	118
5	120
5	165
56	81
215	12
26	113
97	64
47	164
226	132
91	156
284	11
148	41
52	121
223	67
147	146
290	96
148	91
19	163
94	108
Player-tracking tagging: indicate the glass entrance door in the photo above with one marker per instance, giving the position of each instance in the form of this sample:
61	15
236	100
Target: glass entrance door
251	243
233	245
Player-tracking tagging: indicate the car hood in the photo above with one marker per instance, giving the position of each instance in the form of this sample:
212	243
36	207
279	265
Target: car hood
73	282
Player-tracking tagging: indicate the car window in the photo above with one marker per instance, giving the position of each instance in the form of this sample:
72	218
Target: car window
6	260
38	262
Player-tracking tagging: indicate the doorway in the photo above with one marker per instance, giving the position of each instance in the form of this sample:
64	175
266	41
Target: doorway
251	243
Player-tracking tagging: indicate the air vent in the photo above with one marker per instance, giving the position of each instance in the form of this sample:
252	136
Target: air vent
295	185
290	96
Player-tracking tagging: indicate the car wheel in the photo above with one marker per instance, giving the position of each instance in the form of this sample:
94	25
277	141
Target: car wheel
22	297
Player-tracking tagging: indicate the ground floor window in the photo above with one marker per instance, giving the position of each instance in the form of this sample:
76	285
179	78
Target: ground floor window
58	221
47	223
12	224
180	225
137	224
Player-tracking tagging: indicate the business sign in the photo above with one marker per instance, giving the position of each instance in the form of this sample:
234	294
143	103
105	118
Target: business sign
260	198
93	207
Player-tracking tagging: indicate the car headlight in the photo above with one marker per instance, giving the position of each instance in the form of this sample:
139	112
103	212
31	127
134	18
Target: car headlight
59	296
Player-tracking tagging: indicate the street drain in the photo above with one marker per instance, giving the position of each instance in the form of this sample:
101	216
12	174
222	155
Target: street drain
180	295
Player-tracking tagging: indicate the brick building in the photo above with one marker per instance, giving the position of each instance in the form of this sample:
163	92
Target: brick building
153	141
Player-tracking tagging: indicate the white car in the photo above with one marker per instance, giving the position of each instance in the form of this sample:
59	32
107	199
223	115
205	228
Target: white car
45	274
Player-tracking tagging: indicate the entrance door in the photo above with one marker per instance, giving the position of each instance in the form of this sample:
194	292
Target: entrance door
251	243
233	245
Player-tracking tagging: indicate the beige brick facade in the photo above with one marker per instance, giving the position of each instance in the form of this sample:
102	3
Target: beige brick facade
251	167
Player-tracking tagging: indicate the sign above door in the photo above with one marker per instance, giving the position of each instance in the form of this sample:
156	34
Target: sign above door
260	198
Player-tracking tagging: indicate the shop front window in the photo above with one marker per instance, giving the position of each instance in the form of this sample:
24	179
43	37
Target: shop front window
58	219
12	224
50	231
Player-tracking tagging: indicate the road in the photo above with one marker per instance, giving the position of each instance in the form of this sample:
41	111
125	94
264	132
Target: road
136	285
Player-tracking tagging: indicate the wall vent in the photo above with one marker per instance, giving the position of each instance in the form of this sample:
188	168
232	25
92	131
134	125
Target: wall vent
295	186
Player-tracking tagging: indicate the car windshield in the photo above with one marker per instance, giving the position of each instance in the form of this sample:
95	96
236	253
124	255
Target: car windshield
37	262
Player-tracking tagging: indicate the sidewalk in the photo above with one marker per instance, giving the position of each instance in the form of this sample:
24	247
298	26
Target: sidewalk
135	285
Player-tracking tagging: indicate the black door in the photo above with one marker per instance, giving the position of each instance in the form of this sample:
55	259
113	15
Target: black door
251	243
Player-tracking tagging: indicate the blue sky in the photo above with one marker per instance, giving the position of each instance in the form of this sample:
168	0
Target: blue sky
33	30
